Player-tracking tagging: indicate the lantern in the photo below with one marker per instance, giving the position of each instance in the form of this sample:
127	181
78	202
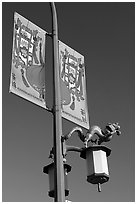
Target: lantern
97	166
49	169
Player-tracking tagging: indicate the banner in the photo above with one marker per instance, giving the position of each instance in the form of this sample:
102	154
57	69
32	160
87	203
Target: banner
28	61
73	86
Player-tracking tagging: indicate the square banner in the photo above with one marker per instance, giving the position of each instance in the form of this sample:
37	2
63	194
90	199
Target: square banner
28	61
73	86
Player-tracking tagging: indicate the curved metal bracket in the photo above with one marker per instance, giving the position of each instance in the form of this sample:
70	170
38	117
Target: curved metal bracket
78	130
73	148
67	148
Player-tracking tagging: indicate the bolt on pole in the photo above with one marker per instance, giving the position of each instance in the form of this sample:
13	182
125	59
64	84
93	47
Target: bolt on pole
57	120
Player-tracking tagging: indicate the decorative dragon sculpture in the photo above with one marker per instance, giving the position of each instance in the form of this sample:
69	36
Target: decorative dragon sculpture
103	135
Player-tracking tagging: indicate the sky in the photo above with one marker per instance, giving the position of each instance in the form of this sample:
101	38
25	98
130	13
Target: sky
105	34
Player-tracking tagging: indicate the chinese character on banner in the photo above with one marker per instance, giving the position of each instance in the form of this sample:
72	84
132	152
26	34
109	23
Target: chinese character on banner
73	86
28	61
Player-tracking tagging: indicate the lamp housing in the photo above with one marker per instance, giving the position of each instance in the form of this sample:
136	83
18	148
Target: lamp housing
97	166
49	169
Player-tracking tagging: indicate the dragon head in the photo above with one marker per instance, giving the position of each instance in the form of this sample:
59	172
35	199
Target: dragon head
108	132
110	129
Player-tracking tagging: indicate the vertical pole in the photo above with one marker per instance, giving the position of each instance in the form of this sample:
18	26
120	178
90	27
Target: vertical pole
58	158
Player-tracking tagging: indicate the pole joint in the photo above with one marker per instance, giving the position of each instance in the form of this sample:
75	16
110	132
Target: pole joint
49	109
49	34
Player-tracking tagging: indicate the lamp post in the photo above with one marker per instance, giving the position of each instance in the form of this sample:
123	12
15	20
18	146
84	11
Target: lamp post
57	170
57	121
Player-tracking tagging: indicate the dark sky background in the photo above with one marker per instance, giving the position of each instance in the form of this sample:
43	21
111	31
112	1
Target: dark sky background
104	33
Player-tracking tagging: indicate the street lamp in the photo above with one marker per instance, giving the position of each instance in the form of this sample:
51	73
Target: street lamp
97	167
49	169
95	155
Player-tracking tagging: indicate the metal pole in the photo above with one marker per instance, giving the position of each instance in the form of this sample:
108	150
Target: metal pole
58	158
